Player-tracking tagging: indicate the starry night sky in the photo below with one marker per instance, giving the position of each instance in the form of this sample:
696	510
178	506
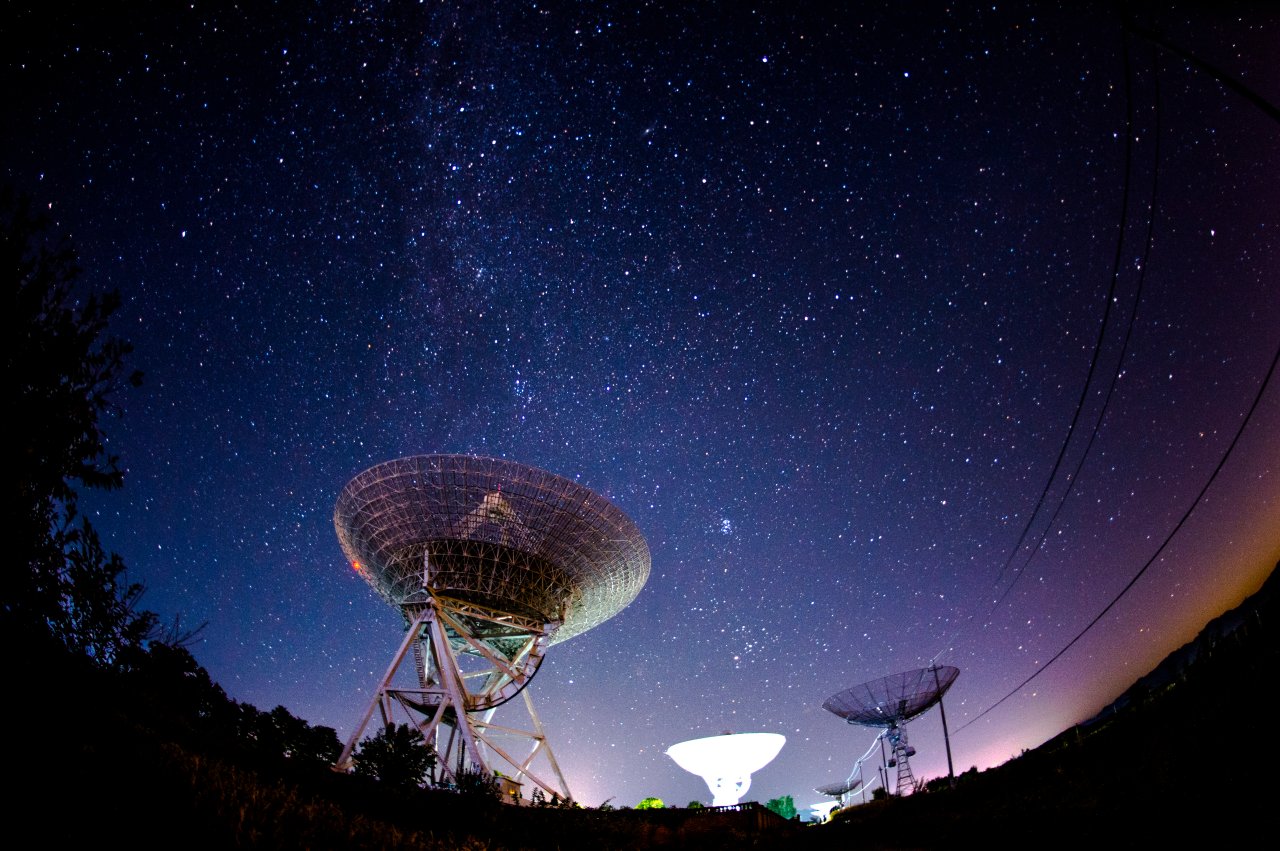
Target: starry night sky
812	295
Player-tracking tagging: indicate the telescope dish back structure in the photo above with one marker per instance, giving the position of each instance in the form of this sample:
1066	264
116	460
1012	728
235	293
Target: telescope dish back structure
888	703
490	562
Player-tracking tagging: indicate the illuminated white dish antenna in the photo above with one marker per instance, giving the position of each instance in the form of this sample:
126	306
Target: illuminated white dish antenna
727	762
822	812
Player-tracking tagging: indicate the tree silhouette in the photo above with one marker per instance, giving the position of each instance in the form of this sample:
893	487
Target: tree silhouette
397	755
282	735
64	367
98	614
479	783
784	806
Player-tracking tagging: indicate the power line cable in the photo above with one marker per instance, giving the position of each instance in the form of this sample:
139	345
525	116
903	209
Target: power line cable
1271	111
1268	108
1221	463
1102	330
1093	365
1074	478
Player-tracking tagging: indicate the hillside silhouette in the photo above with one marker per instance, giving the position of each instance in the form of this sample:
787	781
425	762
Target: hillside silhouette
159	752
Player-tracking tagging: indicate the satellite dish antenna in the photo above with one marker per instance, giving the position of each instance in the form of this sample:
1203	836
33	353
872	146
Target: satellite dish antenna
490	562
889	703
823	811
839	789
727	762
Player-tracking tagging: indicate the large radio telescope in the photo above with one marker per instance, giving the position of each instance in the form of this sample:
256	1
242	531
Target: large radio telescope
888	703
490	562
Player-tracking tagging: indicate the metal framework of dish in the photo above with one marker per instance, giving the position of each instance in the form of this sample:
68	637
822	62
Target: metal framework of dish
839	789
726	762
854	782
490	562
890	702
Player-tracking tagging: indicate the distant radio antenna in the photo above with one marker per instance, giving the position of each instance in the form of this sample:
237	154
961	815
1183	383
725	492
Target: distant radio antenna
889	703
840	789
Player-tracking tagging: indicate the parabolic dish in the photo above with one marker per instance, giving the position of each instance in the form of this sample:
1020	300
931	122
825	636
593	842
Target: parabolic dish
892	700
728	754
495	533
839	788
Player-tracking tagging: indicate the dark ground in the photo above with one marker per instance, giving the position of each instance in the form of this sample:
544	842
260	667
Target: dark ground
103	759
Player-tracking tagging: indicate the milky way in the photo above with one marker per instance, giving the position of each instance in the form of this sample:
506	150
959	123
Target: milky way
812	296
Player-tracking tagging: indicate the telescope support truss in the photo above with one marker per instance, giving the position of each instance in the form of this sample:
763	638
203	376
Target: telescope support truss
468	660
897	737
